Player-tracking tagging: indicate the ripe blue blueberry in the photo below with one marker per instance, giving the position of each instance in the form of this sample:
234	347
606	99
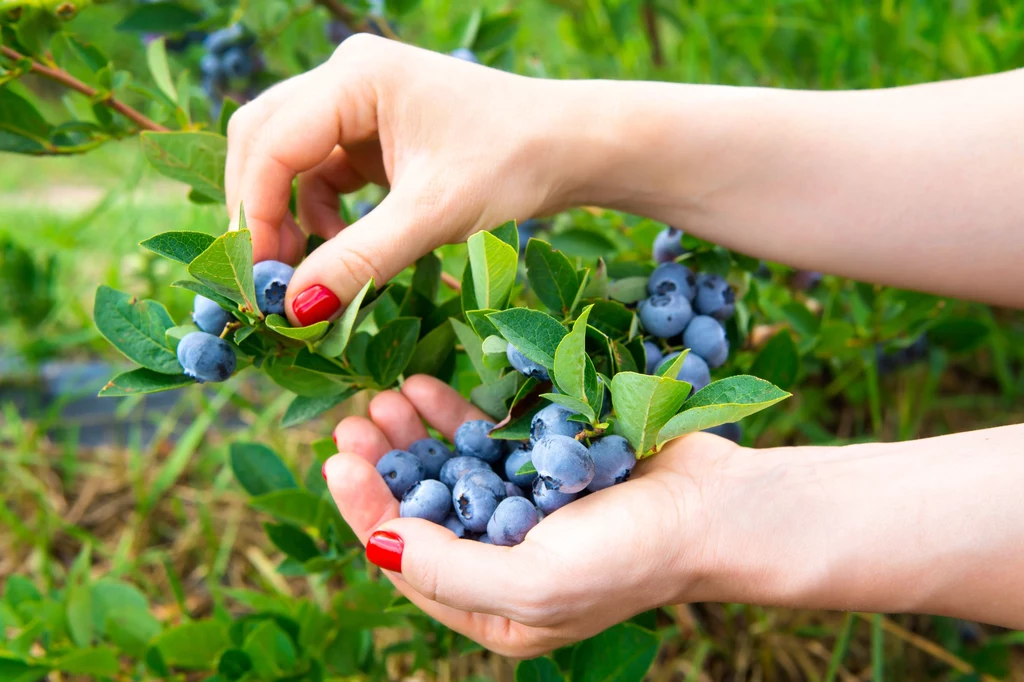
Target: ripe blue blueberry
527	230
714	297
732	431
271	278
665	315
452	523
554	420
432	453
512	490
209	316
457	467
563	463
475	497
401	471
210	65
705	336
363	208
614	459
514	463
484	539
654	356
548	499
471	440
464	54
511	521
667	245
236	62
525	365
428	499
206	357
670	278
218	41
694	370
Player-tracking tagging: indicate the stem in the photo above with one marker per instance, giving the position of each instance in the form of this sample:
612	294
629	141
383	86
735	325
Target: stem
336	8
651	24
450	282
66	79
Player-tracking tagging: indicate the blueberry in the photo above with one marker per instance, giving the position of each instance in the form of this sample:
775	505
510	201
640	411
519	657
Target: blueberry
363	208
271	278
525	365
527	229
563	463
511	521
457	467
670	278
432	453
428	499
614	459
805	280
484	539
514	463
667	245
714	297
665	315
471	440
554	420
694	370
731	431
211	66
401	471
654	356
206	357
452	523
548	499
218	41
464	54
512	490
209	316
236	63
476	495
705	336
337	32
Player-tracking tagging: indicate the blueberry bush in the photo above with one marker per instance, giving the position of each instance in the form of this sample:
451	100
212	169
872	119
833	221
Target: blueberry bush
564	331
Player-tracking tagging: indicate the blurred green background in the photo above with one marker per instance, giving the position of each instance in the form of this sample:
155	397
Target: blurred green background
146	487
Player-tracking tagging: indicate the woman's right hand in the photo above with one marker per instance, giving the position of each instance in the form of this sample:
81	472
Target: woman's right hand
461	147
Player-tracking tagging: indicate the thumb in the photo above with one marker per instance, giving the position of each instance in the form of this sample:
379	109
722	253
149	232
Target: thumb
463	574
379	246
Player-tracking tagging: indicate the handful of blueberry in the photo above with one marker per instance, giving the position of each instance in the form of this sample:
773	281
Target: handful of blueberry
485	491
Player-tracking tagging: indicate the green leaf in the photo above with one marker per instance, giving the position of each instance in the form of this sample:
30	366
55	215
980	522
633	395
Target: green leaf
643	405
97	662
495	31
158	17
779	361
526	469
292	540
391	349
137	328
234	664
156	58
296	506
612	319
508	233
552	276
481	324
304	408
310	334
495	345
582	242
534	333
333	344
301	381
197	159
181	246
472	344
259	469
803	320
228	107
571	359
23	129
538	670
623	653
624	359
493	398
226	267
493	265
958	334
13	669
628	289
432	350
195	645
721	402
307	359
142	380
574	404
203	290
78	612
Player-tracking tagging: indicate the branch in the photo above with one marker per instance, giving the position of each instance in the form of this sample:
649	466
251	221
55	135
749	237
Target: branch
651	24
69	81
450	282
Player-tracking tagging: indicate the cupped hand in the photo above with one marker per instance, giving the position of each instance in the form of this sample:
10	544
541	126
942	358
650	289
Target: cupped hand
462	148
593	563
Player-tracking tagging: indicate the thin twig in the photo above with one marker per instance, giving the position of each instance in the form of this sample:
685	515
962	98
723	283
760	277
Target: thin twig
66	79
342	13
450	282
651	24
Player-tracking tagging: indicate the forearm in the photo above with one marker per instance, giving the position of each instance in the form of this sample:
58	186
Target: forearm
931	526
918	187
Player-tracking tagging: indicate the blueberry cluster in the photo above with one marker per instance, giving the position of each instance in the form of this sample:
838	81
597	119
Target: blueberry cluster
204	355
477	491
229	58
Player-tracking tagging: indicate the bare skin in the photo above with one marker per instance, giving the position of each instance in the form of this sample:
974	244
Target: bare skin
917	187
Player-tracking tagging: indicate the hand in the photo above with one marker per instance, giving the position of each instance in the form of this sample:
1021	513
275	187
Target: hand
462	148
587	566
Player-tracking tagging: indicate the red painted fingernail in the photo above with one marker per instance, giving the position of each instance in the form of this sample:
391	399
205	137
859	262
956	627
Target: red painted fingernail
334	437
323	471
385	550
315	304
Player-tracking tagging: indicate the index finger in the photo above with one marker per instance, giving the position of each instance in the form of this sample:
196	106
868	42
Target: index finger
439	404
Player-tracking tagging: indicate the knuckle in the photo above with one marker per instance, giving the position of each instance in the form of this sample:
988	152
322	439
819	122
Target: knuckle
427	576
239	121
359	267
358	44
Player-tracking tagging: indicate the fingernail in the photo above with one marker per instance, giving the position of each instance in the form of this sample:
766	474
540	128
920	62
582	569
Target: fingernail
315	304
334	437
385	550
323	471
